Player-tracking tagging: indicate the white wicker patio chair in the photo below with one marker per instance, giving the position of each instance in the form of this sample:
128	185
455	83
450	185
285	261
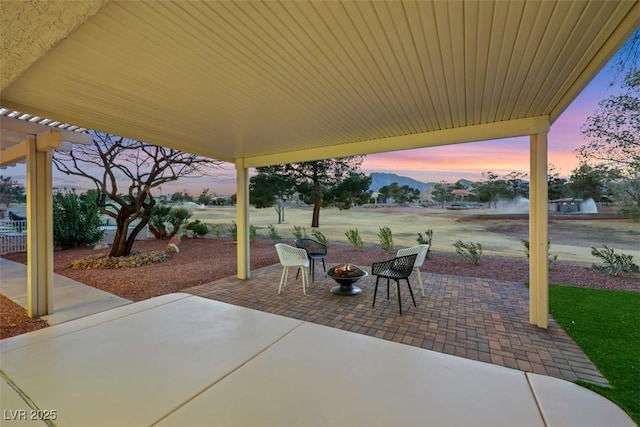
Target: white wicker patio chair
421	252
293	257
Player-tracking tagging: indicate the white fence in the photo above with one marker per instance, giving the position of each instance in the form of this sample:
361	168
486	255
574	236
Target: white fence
13	236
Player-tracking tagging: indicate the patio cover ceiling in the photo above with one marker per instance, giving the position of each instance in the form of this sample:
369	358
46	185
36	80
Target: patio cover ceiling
277	82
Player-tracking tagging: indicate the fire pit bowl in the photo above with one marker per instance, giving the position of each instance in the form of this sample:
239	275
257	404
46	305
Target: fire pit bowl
346	275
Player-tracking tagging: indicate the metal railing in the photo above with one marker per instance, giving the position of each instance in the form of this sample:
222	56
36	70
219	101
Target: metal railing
13	236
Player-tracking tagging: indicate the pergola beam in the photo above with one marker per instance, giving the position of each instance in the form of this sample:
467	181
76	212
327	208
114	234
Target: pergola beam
538	233
488	131
31	128
36	147
13	154
39	231
243	220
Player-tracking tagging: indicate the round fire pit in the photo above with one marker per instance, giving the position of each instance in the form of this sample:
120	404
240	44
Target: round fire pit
346	275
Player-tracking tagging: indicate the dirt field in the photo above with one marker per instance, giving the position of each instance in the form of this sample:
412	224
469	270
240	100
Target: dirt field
571	235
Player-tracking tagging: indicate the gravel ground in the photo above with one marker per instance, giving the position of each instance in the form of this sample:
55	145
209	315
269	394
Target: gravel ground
204	260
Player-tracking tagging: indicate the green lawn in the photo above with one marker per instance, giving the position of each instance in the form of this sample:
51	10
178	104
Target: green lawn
606	324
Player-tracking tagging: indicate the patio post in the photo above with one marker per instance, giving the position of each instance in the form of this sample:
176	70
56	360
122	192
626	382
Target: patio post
242	220
538	232
40	222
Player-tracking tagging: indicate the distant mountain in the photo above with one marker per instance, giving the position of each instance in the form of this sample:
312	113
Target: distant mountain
466	183
379	180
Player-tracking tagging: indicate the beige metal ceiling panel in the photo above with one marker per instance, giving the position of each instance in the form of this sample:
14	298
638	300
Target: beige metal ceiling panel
582	48
569	50
257	79
532	30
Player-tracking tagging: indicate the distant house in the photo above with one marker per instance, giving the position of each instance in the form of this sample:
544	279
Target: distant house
459	194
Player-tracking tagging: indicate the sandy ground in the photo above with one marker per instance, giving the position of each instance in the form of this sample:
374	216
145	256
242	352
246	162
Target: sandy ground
499	233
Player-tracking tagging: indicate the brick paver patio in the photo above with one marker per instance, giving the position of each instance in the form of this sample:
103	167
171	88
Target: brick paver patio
479	319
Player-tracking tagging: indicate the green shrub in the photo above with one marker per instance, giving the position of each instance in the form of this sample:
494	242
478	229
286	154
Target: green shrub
319	237
273	233
299	232
614	264
253	233
386	239
233	230
552	258
354	238
217	230
199	229
76	220
470	251
426	239
163	214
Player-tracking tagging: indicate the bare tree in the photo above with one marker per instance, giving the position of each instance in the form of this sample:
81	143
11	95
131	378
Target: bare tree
114	161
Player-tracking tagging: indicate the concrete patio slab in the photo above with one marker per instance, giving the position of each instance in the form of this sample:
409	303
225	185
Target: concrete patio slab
187	360
318	375
87	322
563	403
71	299
15	411
136	368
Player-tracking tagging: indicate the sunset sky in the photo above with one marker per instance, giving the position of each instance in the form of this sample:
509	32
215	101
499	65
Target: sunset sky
453	162
445	163
450	163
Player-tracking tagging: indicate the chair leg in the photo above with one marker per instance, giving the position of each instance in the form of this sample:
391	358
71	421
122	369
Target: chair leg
305	281
387	288
312	271
411	292
324	268
399	300
375	292
417	269
283	278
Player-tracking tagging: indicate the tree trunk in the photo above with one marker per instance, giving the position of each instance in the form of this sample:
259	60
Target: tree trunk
317	201
123	244
118	248
315	221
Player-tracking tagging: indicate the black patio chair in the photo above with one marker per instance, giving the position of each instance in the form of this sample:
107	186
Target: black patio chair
397	269
315	250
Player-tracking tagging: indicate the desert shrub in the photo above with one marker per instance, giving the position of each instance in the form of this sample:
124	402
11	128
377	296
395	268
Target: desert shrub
614	264
158	219
253	233
426	240
354	238
163	214
299	232
217	230
233	230
386	239
319	237
273	233
471	251
199	229
76	220
552	258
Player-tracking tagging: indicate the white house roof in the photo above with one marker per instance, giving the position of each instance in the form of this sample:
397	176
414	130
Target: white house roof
272	82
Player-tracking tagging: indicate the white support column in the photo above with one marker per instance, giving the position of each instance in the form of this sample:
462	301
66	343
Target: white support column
39	230
242	220
538	232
